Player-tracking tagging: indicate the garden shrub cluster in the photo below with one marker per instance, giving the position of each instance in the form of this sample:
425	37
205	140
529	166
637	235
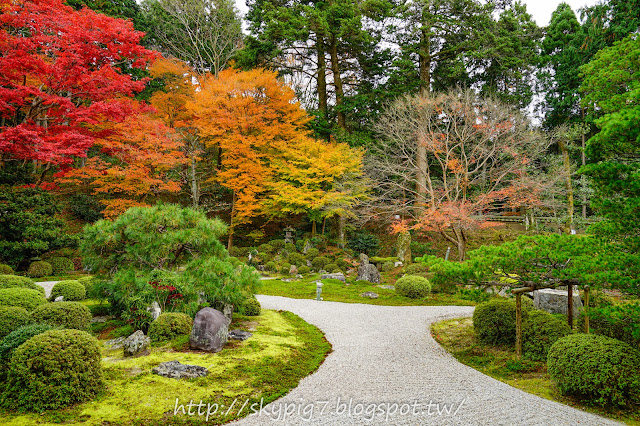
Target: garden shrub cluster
12	318
332	267
17	337
598	368
251	307
387	266
539	332
52	370
415	269
6	269
170	325
39	269
495	321
71	290
13	281
319	262
285	268
61	265
63	314
26	298
413	286
620	321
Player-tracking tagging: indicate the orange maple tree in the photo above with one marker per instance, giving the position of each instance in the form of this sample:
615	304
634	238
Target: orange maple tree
133	166
252	117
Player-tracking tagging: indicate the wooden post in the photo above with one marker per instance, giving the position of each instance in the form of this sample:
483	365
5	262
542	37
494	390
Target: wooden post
519	325
570	305
586	309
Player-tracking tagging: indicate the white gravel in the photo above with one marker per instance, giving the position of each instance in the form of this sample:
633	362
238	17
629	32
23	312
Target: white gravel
47	285
385	355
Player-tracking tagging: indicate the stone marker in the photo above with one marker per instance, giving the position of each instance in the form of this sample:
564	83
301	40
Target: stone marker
155	310
59	299
368	271
293	270
227	310
370	295
239	334
336	276
555	301
176	370
210	330
136	344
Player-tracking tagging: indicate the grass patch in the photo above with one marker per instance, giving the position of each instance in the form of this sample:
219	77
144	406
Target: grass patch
337	291
282	350
458	337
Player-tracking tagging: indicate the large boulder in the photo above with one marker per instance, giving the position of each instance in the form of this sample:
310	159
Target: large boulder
136	344
555	301
210	330
368	271
336	276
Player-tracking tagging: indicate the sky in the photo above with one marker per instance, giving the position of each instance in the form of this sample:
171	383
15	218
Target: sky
540	9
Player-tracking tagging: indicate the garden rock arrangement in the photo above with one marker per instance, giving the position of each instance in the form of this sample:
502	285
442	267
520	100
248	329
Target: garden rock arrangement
336	276
136	344
370	295
555	301
210	330
368	271
176	370
239	335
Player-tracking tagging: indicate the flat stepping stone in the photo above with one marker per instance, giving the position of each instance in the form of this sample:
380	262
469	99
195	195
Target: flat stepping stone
370	295
177	370
239	335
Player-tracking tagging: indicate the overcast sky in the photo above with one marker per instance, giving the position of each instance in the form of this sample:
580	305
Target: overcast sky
540	9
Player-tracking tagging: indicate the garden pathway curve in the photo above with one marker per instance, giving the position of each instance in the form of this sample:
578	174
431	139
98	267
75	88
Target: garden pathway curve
385	355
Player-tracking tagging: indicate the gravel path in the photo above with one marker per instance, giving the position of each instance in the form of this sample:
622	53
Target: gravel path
386	368
47	285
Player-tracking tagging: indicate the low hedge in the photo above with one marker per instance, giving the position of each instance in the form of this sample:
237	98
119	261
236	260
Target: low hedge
12	318
39	269
495	321
539	332
63	314
251	307
170	325
26	298
52	370
413	286
15	281
61	265
71	290
598	368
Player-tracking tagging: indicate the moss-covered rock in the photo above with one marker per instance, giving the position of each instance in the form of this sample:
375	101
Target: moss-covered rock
170	325
63	314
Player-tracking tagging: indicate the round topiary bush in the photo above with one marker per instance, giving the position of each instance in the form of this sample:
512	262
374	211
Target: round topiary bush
12	318
24	297
52	370
15	281
285	268
495	321
331	267
598	368
61	265
251	307
6	269
312	253
39	269
319	262
296	259
304	270
413	286
170	325
271	266
71	290
539	332
63	314
17	337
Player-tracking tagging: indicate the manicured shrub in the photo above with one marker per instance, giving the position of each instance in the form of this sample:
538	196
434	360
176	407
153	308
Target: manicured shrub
387	266
265	249
539	332
89	283
69	289
619	321
12	318
415	269
319	262
24	297
17	337
312	252
331	267
598	368
52	370
239	252
296	259
495	321
413	286
170	325
61	265
304	270
271	266
251	307
63	314
39	269
285	268
6	269
15	281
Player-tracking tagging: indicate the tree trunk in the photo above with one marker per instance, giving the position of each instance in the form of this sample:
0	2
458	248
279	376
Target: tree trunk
342	221
322	81
568	229
424	66
337	82
324	224
195	191
231	224
313	228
